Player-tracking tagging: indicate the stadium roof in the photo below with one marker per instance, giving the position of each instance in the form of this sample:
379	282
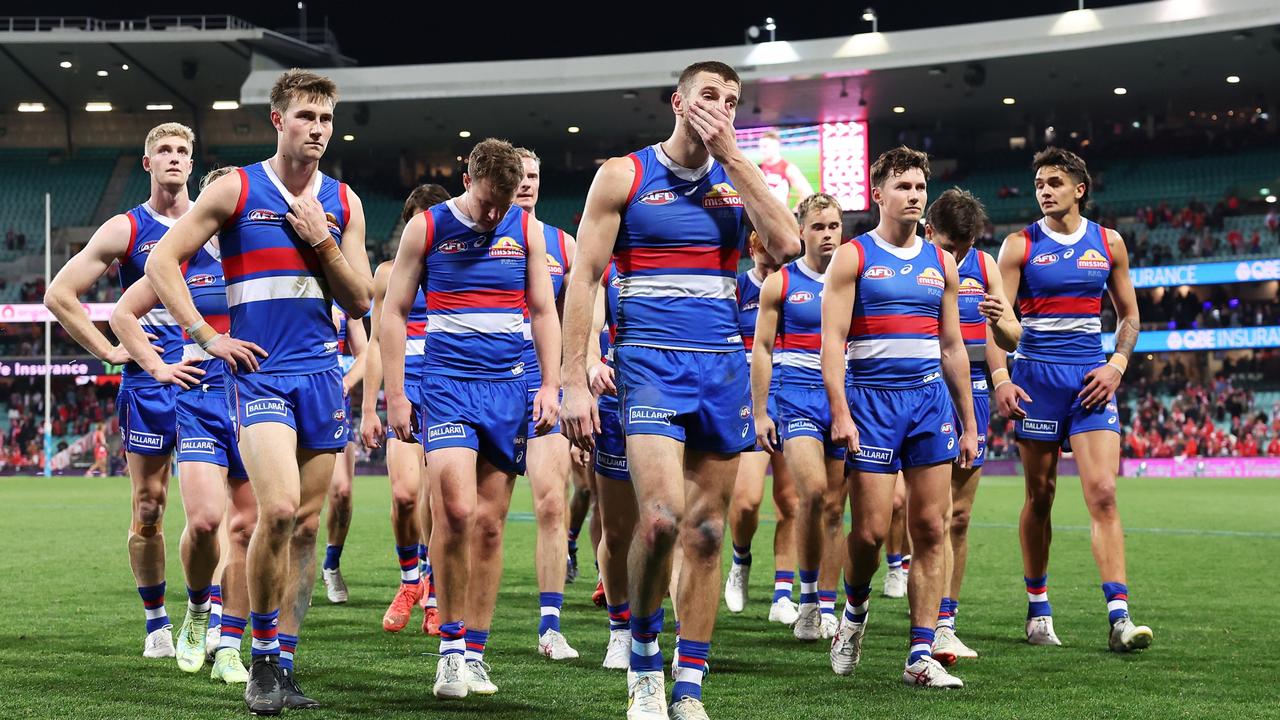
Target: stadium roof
1065	66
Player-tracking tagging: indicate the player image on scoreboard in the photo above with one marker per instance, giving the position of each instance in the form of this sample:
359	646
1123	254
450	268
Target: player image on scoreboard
798	161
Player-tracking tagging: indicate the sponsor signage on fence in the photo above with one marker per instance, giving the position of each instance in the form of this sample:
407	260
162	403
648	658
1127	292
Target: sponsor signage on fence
1214	273
1201	467
1154	341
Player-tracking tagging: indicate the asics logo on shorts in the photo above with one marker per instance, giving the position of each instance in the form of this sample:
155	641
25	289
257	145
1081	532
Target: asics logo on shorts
266	406
878	455
197	445
444	431
145	440
648	415
801	424
611	462
1040	426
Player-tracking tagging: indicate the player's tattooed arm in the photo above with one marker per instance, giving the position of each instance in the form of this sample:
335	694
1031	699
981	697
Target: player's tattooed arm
838	297
1002	324
1101	382
107	245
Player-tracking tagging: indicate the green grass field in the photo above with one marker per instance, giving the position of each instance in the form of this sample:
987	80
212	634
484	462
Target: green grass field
1203	557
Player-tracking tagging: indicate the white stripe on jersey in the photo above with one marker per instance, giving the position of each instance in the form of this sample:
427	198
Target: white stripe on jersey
894	348
808	361
159	317
415	346
192	351
280	287
1063	324
504	322
679	286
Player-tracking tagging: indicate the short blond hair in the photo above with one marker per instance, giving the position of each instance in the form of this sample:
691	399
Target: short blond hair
169	129
216	173
816	202
531	155
298	84
498	162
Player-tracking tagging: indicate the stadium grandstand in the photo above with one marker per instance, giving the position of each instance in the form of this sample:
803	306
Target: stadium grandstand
1174	104
1192	183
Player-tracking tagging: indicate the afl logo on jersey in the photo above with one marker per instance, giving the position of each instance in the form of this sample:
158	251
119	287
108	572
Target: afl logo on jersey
750	306
264	216
147	247
930	277
722	195
658	197
1045	259
554	265
972	286
453	246
799	297
200	281
616	282
1093	260
506	247
878	272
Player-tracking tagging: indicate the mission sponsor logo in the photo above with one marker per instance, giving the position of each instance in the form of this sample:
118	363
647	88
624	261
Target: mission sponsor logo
261	215
450	247
554	266
204	446
972	286
506	247
878	272
650	415
930	277
722	195
799	297
266	406
1045	259
1046	427
201	280
146	440
446	431
877	455
658	197
1093	260
332	221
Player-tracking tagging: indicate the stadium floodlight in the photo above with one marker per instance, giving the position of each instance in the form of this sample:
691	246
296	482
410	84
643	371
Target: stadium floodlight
574	129
1009	101
348	137
31	107
225	105
1233	79
103	73
772	27
1271	199
159	106
65	64
97	107
899	109
124	66
1120	91
464	133
869	15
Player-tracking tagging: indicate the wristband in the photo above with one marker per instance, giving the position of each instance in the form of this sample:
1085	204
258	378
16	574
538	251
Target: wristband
1119	362
997	371
1117	367
202	333
1003	382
